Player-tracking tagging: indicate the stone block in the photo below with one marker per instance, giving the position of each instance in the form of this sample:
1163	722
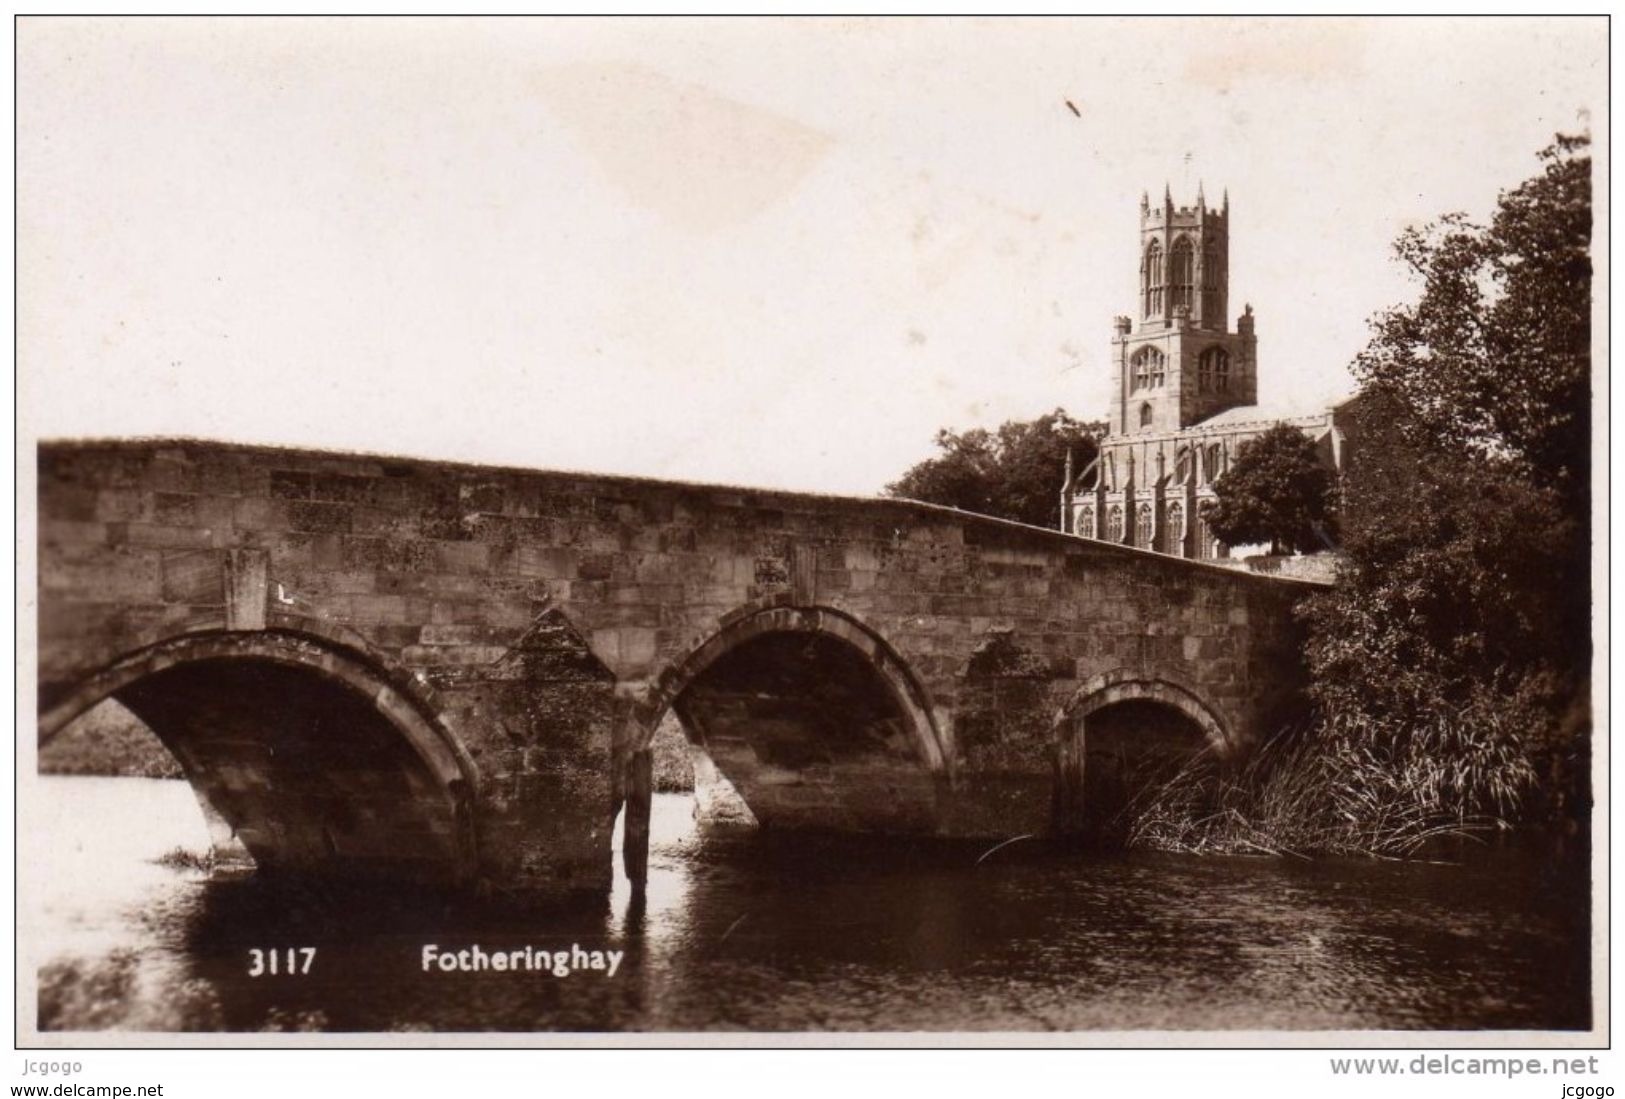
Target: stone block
461	557
258	513
172	476
116	576
318	517
193	576
123	505
218	478
638	648
174	509
289	484
341	487
151	534
384	523
73	503
375	608
550	562
72	533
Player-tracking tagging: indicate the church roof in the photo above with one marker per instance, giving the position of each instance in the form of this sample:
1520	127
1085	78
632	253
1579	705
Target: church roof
1253	415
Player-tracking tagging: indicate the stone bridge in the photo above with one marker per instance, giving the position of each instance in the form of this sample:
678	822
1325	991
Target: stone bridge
452	673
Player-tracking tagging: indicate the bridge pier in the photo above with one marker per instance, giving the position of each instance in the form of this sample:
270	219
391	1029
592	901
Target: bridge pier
1067	812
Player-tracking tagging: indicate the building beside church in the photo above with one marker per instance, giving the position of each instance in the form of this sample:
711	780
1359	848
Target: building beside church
1184	394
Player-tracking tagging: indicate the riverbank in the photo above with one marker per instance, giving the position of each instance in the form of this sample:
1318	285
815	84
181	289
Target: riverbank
107	740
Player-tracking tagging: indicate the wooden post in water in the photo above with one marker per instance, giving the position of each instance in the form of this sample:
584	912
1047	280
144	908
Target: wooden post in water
639	799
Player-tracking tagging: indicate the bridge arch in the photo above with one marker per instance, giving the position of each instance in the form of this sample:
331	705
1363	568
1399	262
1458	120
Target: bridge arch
813	717
318	758
1120	732
1123	685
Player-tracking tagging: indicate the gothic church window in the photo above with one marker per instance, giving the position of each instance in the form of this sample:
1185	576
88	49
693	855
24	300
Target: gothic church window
1206	545
1181	274
1114	523
1086	522
1150	368
1151	279
1213	371
1175	532
1145	527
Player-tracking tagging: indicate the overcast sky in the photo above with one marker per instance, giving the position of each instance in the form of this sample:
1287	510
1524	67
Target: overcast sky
766	252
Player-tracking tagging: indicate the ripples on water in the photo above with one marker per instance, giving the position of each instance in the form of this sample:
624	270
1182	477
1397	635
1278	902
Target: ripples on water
747	931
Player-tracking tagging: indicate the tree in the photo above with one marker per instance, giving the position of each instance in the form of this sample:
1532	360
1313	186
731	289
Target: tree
1464	599
1495	358
1013	473
1277	491
1454	586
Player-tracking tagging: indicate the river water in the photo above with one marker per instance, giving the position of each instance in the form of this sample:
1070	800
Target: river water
747	931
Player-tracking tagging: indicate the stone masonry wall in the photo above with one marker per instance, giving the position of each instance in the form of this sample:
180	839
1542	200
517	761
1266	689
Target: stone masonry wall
536	614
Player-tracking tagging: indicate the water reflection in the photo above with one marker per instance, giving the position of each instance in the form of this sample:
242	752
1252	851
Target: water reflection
748	931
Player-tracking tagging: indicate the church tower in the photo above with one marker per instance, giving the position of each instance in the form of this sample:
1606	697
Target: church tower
1176	366
1181	363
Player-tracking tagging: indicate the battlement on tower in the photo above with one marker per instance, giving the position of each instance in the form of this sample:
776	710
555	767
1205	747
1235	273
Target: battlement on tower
1155	215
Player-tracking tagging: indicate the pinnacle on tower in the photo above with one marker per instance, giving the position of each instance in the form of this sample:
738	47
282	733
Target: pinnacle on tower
1201	203
1226	201
1167	198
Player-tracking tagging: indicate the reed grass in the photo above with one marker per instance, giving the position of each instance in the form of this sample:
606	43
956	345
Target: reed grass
1347	786
183	858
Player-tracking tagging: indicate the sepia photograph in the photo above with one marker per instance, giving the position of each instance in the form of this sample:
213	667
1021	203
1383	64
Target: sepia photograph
813	531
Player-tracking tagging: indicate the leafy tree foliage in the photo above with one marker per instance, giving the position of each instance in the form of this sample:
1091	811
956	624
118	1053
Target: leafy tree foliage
1012	473
1456	579
1495	358
1465	593
1277	491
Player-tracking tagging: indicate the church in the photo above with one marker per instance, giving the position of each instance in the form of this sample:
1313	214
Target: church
1184	395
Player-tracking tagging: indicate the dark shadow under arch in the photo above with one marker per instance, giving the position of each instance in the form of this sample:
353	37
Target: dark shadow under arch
813	719
319	761
1119	734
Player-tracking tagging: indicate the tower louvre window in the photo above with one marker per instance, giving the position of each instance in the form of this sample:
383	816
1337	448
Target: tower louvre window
1211	283
1150	368
1213	371
1151	280
1181	274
